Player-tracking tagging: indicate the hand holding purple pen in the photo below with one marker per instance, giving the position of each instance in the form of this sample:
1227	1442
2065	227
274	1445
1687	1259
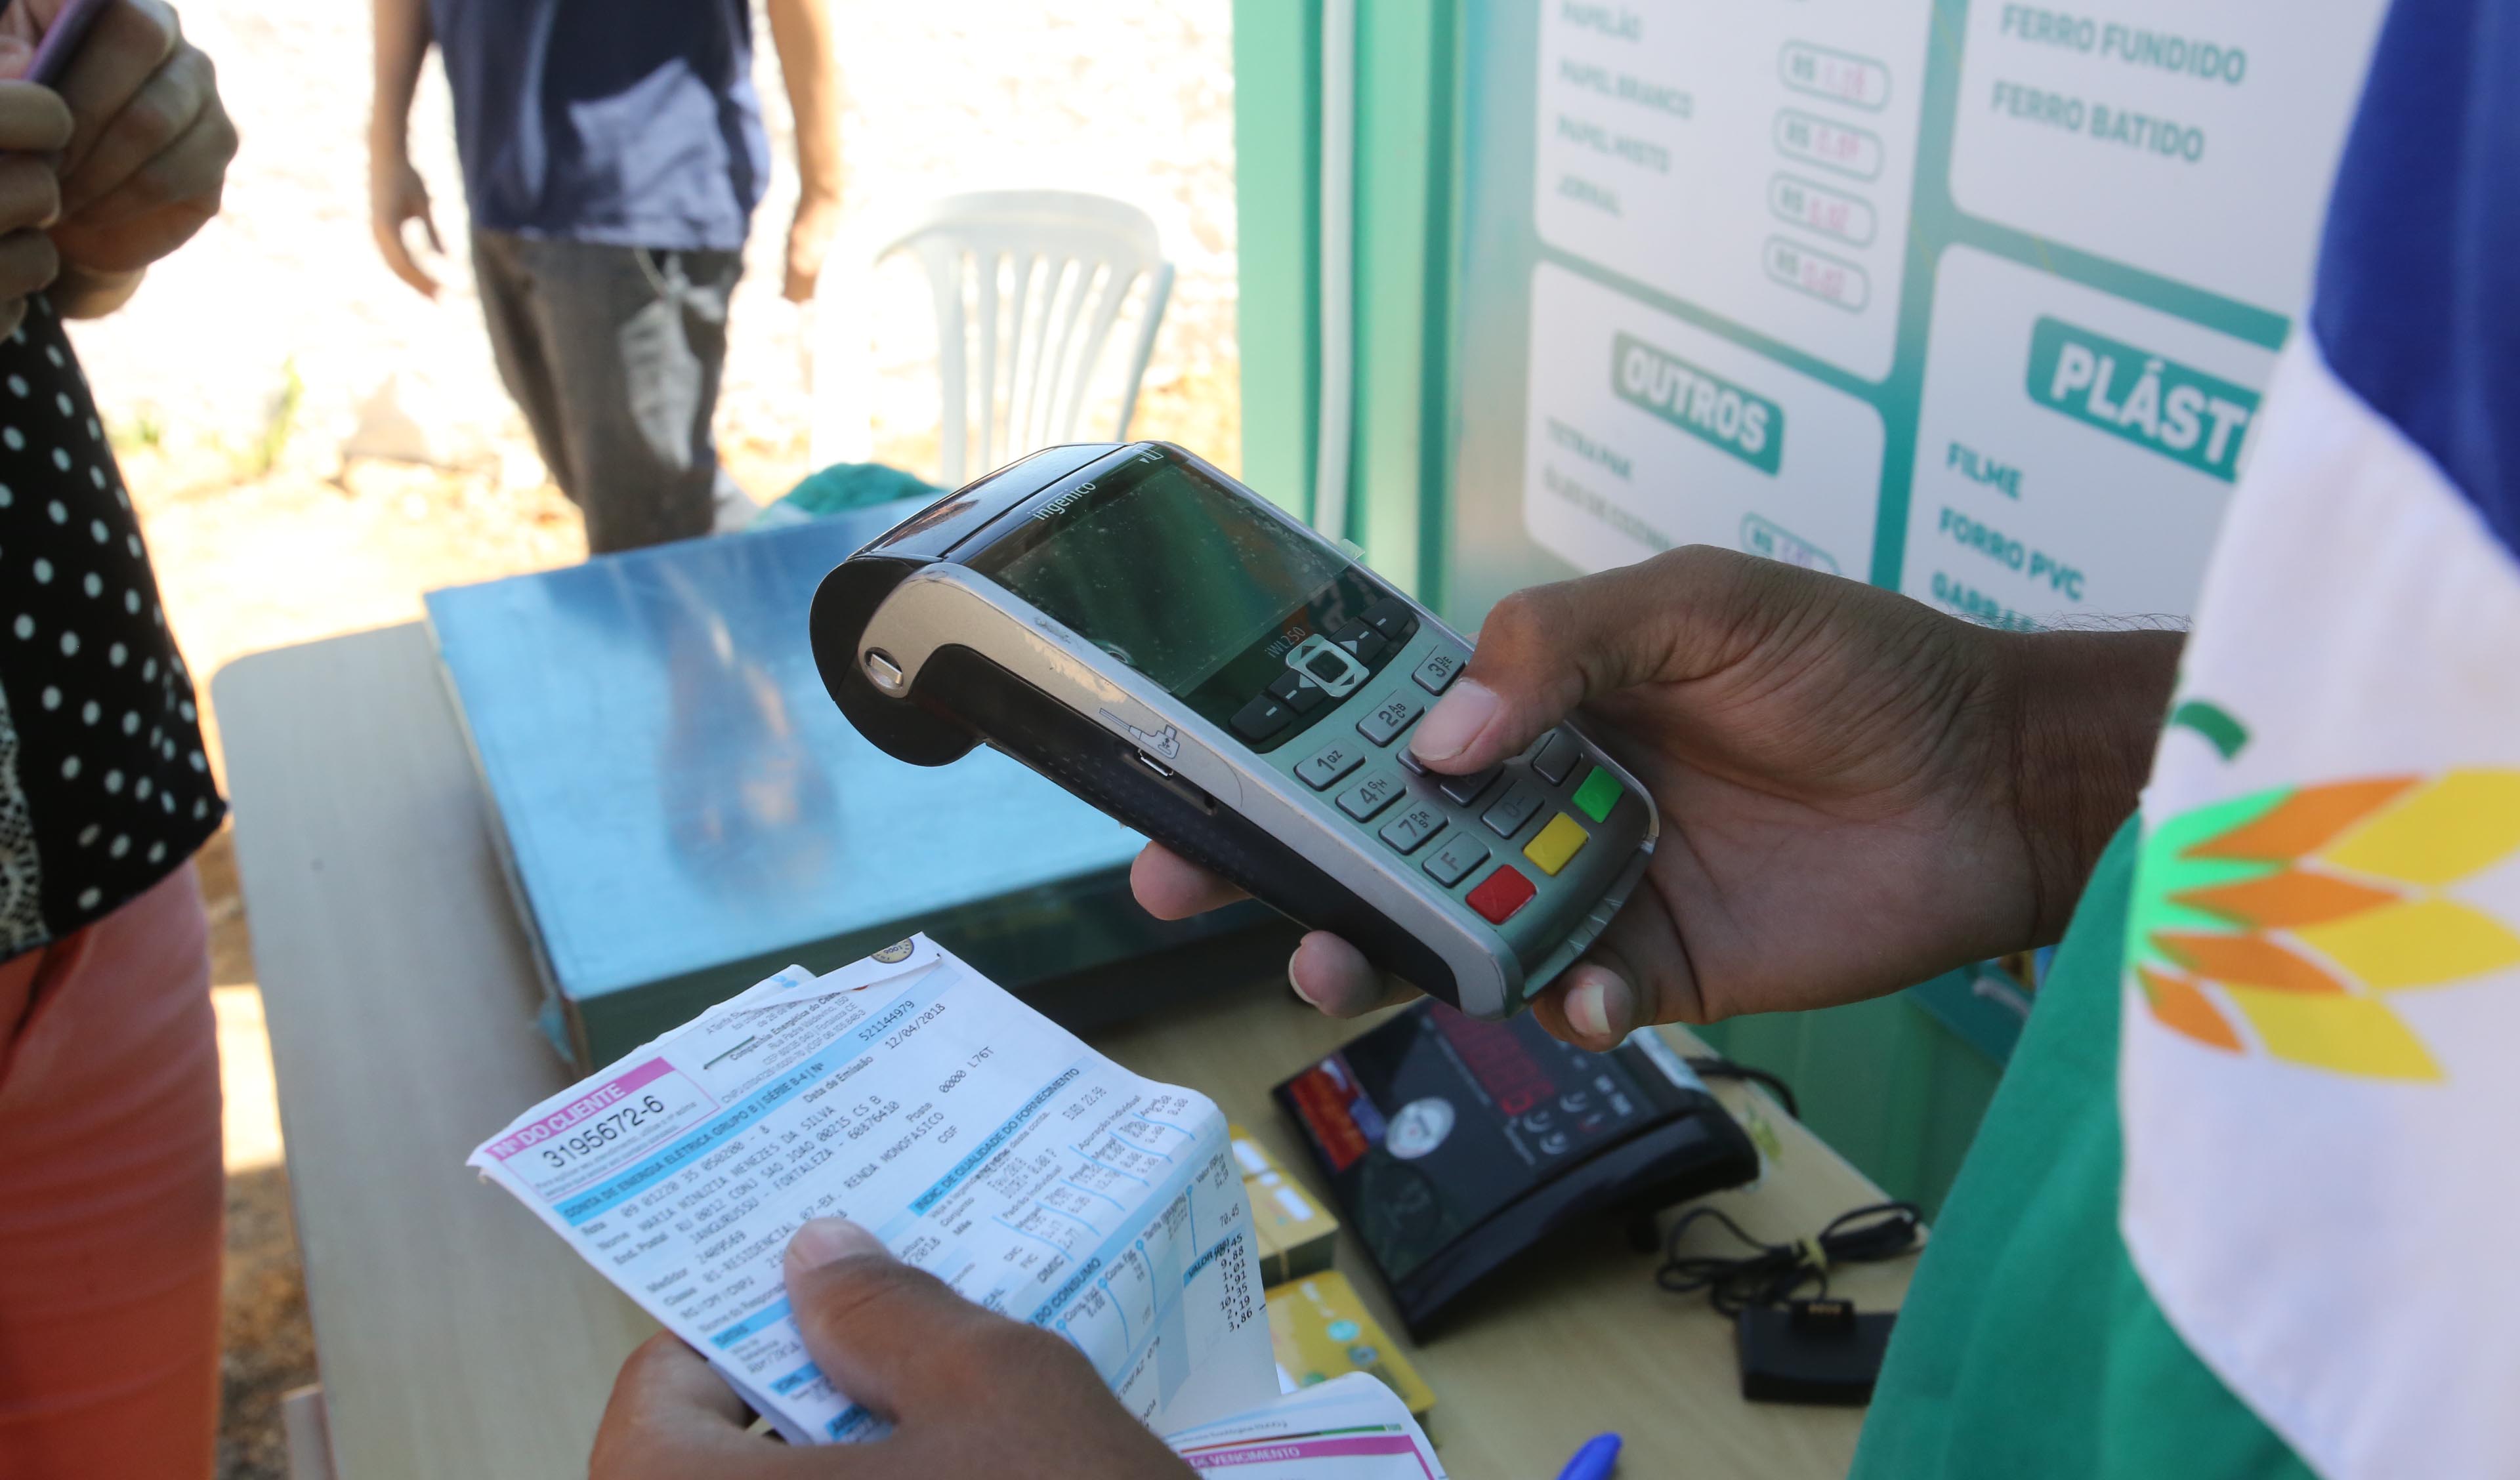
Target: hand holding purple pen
61	39
35	124
137	170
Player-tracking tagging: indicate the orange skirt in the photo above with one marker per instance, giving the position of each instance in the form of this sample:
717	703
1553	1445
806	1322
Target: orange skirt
111	1198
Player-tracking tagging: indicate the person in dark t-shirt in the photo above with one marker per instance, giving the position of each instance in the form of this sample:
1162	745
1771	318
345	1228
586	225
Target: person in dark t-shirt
612	155
110	1183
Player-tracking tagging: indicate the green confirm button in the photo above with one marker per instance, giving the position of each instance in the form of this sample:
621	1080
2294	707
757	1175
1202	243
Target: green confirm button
1700	402
1599	792
2150	399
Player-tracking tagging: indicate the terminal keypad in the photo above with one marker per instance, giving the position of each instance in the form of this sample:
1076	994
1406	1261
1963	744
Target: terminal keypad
1533	825
1321	670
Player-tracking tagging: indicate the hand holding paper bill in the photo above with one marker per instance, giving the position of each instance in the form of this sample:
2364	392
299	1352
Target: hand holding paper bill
978	1139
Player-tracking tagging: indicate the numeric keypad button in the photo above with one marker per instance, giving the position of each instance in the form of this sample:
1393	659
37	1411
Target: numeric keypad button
1370	795
1437	672
1329	763
1397	712
1513	809
1409	831
1452	862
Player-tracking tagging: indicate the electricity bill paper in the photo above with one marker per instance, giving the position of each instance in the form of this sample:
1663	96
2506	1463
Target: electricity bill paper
978	1140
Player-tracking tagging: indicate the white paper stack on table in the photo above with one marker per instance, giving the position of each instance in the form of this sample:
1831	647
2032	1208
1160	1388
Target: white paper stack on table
982	1142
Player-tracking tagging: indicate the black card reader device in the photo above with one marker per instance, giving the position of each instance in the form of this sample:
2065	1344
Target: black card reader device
1453	1145
1166	644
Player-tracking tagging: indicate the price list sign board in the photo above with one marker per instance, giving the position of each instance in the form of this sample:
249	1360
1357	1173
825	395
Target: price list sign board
1974	301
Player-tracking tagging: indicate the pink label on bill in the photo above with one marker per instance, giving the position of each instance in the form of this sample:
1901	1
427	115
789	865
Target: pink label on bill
593	1103
1290	1451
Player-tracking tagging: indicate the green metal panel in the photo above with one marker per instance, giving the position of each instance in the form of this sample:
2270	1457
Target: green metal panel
1894	1084
1886	1082
1276	188
1405	241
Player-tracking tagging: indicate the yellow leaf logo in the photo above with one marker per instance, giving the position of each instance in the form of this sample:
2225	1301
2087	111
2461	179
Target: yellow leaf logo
2299	912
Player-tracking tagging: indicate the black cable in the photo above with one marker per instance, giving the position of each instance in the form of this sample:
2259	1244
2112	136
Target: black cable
1710	1067
1780	1270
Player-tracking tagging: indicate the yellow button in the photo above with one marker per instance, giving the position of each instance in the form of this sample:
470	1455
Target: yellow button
1556	843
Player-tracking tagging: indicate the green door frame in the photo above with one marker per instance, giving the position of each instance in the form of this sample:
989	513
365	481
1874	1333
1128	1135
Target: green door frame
1276	197
1404	243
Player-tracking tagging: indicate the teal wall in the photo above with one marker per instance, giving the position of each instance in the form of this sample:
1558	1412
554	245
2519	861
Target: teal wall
1889	1083
1277	170
1897	1085
1407	165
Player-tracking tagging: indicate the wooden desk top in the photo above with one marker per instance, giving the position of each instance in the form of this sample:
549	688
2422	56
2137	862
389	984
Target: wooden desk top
458	1337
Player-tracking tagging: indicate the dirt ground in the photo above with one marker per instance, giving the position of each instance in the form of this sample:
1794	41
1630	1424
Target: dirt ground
233	382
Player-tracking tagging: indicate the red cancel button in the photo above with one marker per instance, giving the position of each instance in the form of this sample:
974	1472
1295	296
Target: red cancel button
1501	894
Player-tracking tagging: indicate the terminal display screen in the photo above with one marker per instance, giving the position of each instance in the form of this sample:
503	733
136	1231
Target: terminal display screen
1163	568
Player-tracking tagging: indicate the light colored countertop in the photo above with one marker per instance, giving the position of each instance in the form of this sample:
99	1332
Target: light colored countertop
457	1339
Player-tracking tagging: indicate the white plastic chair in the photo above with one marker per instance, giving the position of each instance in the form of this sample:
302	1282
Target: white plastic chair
1028	285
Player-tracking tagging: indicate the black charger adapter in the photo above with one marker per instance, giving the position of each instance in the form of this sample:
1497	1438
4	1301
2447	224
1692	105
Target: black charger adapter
1811	1351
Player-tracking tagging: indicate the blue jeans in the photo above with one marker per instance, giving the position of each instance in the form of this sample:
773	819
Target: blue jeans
615	354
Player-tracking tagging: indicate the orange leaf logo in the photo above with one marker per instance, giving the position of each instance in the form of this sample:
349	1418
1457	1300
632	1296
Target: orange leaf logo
2285	921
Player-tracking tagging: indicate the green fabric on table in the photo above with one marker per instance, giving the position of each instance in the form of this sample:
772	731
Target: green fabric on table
2028	1345
840	487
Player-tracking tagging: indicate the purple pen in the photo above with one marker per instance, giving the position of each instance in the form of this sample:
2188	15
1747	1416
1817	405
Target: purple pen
61	40
1599	1457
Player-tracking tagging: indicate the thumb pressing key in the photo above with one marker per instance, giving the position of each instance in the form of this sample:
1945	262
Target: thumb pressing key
1454	723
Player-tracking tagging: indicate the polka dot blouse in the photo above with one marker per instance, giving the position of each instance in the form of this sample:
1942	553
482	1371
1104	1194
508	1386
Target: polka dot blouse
103	786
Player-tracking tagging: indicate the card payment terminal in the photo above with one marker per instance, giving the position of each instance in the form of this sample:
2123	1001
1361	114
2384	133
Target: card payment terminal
1453	1145
1166	644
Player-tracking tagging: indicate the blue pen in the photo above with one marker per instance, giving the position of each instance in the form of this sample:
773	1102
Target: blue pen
1599	1457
